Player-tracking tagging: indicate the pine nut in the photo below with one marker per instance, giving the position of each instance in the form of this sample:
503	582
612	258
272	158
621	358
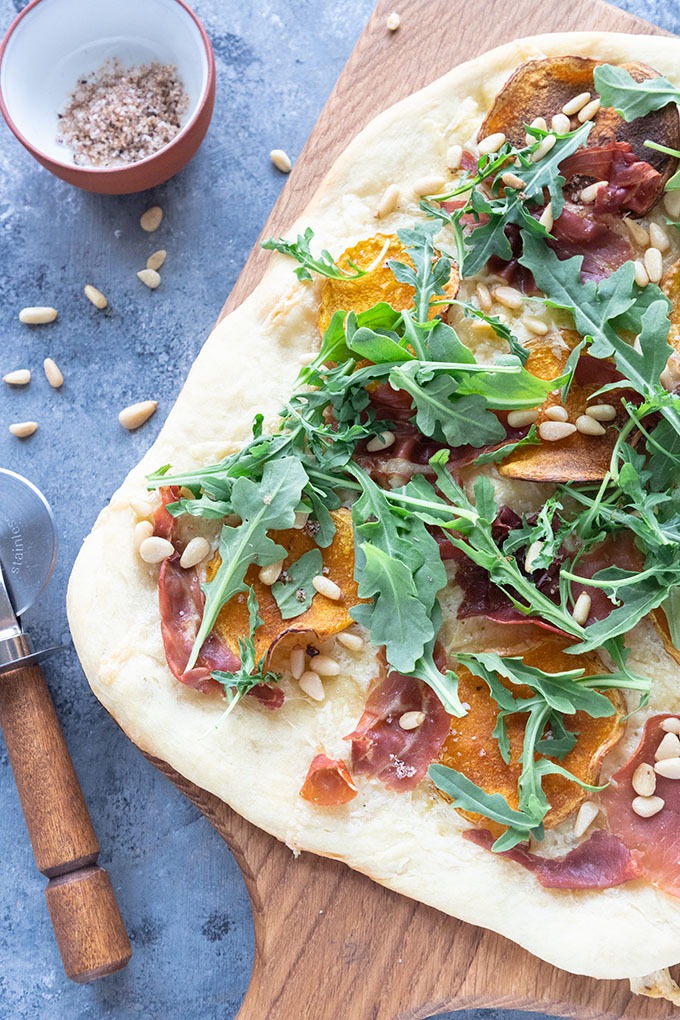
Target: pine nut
136	414
553	431
428	185
37	316
388	202
483	297
638	234
540	123
533	552
668	748
672	204
301	518
196	551
641	277
601	412
380	442
589	194
393	22
546	217
325	665
156	260
643	780
576	104
588	111
311	684
156	549
658	237
297	663
454	157
143	530
150	278
581	610
354	642
669	768
561	124
587	814
19	377
326	587
411	720
519	419
271	573
23	429
491	143
654	264
537	326
671	725
557	413
512	180
543	149
647	807
587	426
151	219
53	373
508	297
142	506
95	296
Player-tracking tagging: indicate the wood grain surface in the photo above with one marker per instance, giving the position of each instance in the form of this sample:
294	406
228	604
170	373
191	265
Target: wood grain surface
329	943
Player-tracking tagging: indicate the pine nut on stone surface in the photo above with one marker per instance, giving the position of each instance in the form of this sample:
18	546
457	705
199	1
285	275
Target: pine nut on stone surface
196	551
151	220
581	610
668	748
312	685
353	642
519	419
658	237
143	530
326	587
588	426
270	574
601	412
534	325
669	768
588	111
23	429
281	160
411	720
297	663
491	143
53	373
137	414
389	201
454	157
324	665
381	442
576	104
585	817
654	264
671	725
19	377
429	185
37	316
95	296
156	549
156	260
553	431
643	780
150	278
509	297
393	22
641	277
557	413
647	807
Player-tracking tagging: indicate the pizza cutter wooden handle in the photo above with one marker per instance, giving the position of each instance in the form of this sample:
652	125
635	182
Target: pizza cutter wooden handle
87	922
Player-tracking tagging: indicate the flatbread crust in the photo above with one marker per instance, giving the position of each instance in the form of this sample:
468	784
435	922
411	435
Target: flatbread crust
256	761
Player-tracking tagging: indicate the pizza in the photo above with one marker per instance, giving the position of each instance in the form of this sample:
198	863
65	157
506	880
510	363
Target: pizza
400	578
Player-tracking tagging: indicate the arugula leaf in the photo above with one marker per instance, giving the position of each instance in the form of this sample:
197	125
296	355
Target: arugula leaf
636	602
445	685
250	673
324	265
467	796
494	456
428	275
631	98
295	592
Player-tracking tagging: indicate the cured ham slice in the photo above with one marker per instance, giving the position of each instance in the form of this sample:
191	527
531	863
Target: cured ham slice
632	183
164	524
577	231
328	783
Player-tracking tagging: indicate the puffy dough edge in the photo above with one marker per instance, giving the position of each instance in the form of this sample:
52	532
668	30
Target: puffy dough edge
410	843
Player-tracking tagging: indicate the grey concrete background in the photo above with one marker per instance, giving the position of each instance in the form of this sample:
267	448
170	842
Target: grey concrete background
180	891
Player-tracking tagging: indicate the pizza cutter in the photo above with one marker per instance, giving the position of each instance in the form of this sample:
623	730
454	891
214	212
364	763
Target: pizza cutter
87	922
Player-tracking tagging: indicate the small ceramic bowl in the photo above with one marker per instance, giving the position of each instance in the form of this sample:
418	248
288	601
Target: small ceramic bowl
54	43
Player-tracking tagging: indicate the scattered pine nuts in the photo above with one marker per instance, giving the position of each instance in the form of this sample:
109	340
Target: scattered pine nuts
23	429
643	780
658	237
553	431
589	194
326	587
588	111
95	296
641	277
151	219
281	160
53	373
156	549
512	180
519	419
428	185
393	22
602	412
668	748
311	684
671	725
270	574
484	297
380	442
325	665
143	530
196	551
543	149
561	124
638	234
533	552
297	663
576	104
454	157
156	260
353	641
647	807
557	413
411	720
491	143
150	278
587	814
537	326
581	610
587	426
669	768
546	217
136	414
509	297
388	202
37	316
654	264
19	377
672	204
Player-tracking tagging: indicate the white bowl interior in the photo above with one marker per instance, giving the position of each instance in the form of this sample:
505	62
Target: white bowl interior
59	41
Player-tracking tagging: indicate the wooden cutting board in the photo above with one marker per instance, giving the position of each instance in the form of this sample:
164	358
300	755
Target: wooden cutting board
329	943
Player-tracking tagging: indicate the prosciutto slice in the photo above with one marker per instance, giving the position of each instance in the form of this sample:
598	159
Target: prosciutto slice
380	747
328	783
601	862
577	232
164	524
632	183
